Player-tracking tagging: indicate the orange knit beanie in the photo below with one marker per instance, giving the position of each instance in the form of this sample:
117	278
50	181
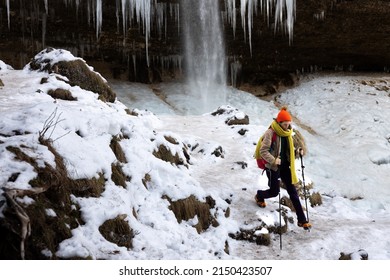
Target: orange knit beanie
283	115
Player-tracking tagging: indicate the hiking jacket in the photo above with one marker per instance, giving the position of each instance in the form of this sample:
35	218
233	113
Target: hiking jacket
270	151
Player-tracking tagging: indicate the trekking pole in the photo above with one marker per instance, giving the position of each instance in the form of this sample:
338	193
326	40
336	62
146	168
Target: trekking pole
280	215
304	185
280	223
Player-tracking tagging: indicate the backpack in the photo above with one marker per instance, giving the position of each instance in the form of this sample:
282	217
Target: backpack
260	161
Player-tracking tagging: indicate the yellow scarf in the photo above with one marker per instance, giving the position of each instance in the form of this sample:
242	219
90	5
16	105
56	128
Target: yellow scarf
283	133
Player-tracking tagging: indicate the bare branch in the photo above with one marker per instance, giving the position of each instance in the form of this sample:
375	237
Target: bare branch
51	123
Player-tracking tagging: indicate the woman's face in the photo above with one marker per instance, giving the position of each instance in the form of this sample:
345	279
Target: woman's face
285	125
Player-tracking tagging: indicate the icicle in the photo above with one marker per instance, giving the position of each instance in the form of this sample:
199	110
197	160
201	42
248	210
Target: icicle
135	66
250	22
46	6
77	6
160	12
247	8
289	7
177	63
142	15
284	15
8	14
117	15
235	69
124	17
170	62
291	15
99	17
71	2
145	11
231	14
44	20
243	16
319	16
89	12
177	19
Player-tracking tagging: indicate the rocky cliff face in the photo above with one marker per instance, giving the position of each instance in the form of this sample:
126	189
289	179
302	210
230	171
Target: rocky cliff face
331	35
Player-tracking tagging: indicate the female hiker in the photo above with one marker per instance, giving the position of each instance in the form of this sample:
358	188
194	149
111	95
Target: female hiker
279	153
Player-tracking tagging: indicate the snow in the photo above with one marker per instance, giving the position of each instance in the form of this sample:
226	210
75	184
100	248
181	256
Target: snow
54	56
344	119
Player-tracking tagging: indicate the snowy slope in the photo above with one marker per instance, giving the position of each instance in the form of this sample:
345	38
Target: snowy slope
345	121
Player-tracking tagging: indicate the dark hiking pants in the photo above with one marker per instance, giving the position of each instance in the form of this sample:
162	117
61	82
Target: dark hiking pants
274	177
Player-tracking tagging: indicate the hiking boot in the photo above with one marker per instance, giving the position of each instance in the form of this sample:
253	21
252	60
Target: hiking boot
260	202
305	225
